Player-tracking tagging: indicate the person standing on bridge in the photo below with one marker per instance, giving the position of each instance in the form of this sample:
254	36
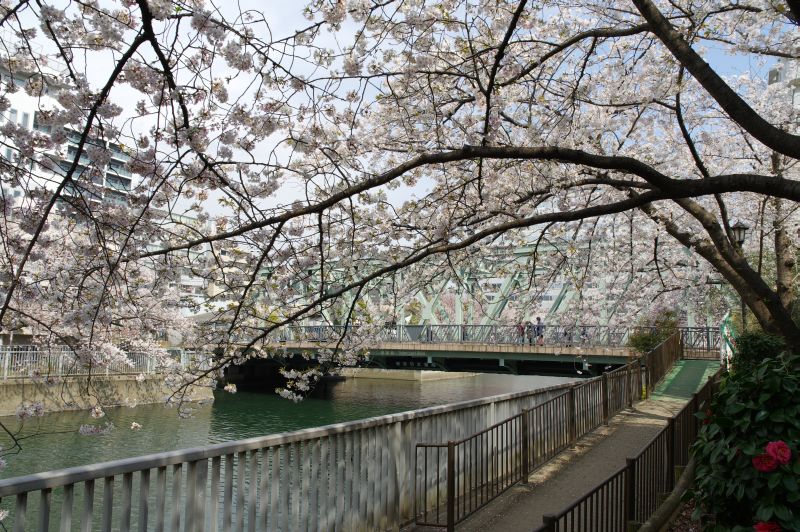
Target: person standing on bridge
529	332
539	331
520	333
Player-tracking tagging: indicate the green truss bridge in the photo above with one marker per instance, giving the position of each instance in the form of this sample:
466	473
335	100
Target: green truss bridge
562	349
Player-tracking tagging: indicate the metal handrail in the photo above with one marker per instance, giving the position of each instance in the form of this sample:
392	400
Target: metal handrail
618	389
52	479
24	360
626	503
567	335
562	429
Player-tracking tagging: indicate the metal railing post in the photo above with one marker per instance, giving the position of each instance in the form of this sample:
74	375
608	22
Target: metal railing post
549	521
451	486
525	446
630	490
630	383
573	421
6	355
671	453
604	388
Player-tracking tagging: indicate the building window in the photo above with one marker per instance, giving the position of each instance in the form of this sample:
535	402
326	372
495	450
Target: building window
26	119
38	126
118	183
12	116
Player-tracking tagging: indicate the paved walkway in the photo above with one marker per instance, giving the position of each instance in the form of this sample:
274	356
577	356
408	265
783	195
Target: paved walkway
594	458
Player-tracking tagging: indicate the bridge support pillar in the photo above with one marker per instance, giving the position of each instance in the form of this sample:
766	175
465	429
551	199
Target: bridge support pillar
511	366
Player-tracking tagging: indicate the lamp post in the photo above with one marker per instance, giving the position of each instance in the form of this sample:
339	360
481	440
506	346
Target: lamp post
739	230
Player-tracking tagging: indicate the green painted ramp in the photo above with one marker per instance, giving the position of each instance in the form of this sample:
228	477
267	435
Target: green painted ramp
686	378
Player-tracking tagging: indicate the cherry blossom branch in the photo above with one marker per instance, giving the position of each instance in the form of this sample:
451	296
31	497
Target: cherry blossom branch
733	104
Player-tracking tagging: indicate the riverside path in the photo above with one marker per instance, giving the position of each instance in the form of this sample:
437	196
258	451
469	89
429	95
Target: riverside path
576	471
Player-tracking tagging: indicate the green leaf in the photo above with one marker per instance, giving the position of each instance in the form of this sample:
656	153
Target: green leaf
735	408
778	417
782	512
764	513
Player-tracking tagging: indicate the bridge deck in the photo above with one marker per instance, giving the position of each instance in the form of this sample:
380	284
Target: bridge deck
482	350
594	459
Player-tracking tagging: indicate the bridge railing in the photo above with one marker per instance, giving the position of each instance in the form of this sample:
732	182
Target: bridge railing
697	339
59	360
456	478
350	476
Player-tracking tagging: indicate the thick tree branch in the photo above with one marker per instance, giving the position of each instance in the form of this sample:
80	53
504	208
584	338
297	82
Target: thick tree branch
732	103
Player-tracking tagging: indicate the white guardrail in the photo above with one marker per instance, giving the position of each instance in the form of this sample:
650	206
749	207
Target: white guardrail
37	362
350	476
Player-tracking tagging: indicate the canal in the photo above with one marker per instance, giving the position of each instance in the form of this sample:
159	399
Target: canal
53	442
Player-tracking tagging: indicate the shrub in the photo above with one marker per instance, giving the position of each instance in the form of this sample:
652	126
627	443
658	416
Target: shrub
747	450
653	332
753	347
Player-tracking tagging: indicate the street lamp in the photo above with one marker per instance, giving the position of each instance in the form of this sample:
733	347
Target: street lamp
739	230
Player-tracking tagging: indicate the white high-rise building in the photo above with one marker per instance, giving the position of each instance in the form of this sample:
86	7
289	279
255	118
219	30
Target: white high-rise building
787	71
109	182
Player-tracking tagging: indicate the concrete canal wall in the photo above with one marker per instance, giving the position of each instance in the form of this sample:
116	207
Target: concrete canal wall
77	392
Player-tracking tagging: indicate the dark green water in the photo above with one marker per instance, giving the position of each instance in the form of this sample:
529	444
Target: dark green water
52	441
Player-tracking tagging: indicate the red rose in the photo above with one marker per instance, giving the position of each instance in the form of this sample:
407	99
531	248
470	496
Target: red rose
765	463
779	451
707	418
769	526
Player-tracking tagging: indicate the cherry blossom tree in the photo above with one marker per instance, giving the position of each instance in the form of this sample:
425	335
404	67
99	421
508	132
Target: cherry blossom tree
389	139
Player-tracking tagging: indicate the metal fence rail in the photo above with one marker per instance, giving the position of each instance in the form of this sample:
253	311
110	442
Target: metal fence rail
660	360
58	361
456	478
695	338
350	476
633	493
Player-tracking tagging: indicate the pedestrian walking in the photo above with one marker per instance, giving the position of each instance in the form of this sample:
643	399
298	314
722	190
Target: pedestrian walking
529	331
539	331
520	333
